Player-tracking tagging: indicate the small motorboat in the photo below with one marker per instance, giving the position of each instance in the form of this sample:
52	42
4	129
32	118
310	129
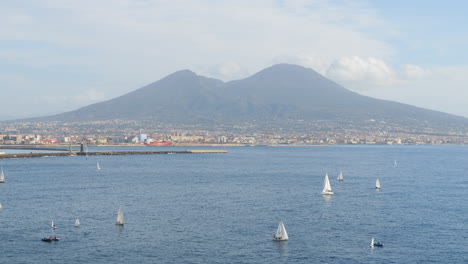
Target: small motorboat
50	239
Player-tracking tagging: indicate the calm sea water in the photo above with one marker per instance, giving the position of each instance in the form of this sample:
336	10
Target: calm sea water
225	208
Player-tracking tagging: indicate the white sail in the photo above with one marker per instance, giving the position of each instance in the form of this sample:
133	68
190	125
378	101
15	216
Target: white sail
97	166
53	225
377	184
340	176
2	175
120	217
396	164
326	186
77	223
372	243
281	233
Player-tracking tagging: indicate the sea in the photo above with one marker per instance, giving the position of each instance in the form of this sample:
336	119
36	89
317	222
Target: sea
225	208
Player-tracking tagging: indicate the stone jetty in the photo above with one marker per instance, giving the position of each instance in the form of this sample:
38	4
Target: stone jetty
105	153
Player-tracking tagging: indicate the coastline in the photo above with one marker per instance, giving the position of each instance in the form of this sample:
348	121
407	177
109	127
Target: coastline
167	146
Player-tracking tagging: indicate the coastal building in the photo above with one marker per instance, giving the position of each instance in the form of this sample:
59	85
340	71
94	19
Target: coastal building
141	137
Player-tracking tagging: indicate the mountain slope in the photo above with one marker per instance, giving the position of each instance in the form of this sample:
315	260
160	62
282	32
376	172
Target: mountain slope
280	92
172	97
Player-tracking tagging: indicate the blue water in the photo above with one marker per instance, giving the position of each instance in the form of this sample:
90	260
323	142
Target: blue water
225	208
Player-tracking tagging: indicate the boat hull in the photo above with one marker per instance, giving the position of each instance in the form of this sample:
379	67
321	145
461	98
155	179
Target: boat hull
50	239
280	239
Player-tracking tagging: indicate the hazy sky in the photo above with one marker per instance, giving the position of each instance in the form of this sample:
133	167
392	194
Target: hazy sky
59	55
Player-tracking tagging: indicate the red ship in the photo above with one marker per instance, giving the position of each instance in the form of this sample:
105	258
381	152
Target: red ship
159	144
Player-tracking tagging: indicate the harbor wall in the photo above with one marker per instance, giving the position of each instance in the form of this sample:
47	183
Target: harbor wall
109	153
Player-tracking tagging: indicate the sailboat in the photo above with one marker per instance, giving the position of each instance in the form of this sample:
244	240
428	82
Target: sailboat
377	184
77	223
281	233
395	163
340	176
326	186
97	166
53	225
2	175
120	218
373	244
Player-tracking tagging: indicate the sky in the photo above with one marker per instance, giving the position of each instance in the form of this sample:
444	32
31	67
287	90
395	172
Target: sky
59	55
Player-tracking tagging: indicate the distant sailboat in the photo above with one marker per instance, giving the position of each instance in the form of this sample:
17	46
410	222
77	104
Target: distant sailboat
2	175
373	244
377	184
340	176
395	163
53	225
120	217
97	166
281	233
326	186
77	223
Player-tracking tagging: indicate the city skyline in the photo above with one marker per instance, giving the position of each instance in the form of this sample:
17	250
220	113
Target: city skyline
59	56
110	132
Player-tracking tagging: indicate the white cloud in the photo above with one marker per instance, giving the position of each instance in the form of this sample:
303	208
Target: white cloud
438	88
172	35
361	73
410	71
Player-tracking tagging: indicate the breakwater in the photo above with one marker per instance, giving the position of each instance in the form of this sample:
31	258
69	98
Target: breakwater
34	148
105	153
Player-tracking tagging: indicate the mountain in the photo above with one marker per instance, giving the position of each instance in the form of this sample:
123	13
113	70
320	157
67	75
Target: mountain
275	94
171	98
